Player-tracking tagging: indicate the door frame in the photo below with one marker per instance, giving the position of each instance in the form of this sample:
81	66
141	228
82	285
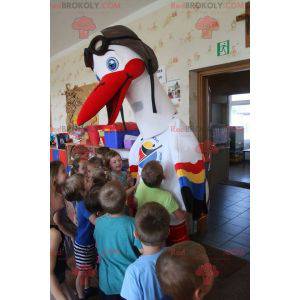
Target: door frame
203	104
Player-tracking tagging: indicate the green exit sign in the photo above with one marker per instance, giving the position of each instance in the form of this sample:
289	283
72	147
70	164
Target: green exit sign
223	48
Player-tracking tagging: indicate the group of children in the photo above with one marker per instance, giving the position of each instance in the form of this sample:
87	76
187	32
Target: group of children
124	239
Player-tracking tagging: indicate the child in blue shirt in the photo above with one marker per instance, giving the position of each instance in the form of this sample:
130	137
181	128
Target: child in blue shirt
84	243
115	241
152	228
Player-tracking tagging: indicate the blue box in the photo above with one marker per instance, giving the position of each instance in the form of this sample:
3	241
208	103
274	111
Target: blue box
115	139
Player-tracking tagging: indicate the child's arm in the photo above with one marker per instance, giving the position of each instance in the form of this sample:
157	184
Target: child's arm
92	219
65	224
130	191
55	240
180	214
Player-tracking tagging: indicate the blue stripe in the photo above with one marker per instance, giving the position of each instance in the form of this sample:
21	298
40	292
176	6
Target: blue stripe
55	154
197	189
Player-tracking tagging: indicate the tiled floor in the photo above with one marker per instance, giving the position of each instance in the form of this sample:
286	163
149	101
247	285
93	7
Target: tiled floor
240	172
229	221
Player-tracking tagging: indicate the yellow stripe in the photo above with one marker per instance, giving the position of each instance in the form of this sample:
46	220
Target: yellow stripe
195	178
133	174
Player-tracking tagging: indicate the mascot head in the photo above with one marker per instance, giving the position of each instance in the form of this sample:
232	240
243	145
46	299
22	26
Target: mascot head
117	57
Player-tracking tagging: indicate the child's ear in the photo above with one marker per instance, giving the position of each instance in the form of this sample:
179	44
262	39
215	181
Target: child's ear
135	234
198	294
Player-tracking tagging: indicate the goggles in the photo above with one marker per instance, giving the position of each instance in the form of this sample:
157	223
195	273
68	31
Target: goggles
99	46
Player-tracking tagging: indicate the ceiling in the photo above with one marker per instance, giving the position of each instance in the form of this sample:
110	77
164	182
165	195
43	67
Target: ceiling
103	13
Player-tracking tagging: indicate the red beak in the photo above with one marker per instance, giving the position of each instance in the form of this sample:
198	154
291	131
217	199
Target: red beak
111	92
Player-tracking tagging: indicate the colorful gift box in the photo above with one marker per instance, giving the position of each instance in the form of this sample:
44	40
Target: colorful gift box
114	134
59	154
129	141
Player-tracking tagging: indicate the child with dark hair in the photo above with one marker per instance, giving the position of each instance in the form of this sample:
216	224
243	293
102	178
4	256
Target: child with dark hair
152	228
149	190
58	265
92	202
58	228
58	215
84	244
116	245
96	176
184	271
114	164
94	163
79	166
101	153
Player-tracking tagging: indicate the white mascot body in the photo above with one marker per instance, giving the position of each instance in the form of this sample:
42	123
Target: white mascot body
123	72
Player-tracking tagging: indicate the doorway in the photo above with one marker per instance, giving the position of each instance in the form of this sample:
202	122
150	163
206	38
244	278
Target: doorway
222	118
239	134
219	116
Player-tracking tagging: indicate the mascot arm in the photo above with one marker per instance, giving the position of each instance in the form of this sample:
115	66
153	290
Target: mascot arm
189	167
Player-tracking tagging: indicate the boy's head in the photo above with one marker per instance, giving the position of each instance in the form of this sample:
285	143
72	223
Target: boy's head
153	174
93	163
112	197
58	174
74	188
184	271
152	224
101	152
92	201
95	176
82	166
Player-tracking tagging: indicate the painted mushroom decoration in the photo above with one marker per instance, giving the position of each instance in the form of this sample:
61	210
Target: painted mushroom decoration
83	25
207	25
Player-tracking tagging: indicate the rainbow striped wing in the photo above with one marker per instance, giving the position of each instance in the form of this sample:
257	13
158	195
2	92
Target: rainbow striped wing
192	176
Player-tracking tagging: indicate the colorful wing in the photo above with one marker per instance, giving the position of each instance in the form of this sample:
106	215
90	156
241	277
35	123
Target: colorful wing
189	167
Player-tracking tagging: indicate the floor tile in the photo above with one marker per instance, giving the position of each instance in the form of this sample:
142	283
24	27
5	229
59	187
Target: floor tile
228	221
243	222
219	237
247	230
245	214
231	228
235	248
243	203
228	213
217	222
237	208
243	239
247	257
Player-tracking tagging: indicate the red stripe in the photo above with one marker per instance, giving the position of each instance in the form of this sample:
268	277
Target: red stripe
63	157
51	154
133	168
194	168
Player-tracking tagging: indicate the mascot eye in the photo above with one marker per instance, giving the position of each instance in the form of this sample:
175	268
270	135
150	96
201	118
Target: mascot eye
112	64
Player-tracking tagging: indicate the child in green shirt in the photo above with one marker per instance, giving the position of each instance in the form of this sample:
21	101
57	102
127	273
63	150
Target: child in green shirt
149	190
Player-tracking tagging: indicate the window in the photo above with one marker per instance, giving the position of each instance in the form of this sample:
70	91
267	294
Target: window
240	112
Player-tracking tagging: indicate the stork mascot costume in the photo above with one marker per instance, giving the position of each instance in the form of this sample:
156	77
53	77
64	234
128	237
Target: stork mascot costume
125	66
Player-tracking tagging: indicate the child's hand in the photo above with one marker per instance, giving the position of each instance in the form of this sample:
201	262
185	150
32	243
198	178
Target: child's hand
130	180
72	238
